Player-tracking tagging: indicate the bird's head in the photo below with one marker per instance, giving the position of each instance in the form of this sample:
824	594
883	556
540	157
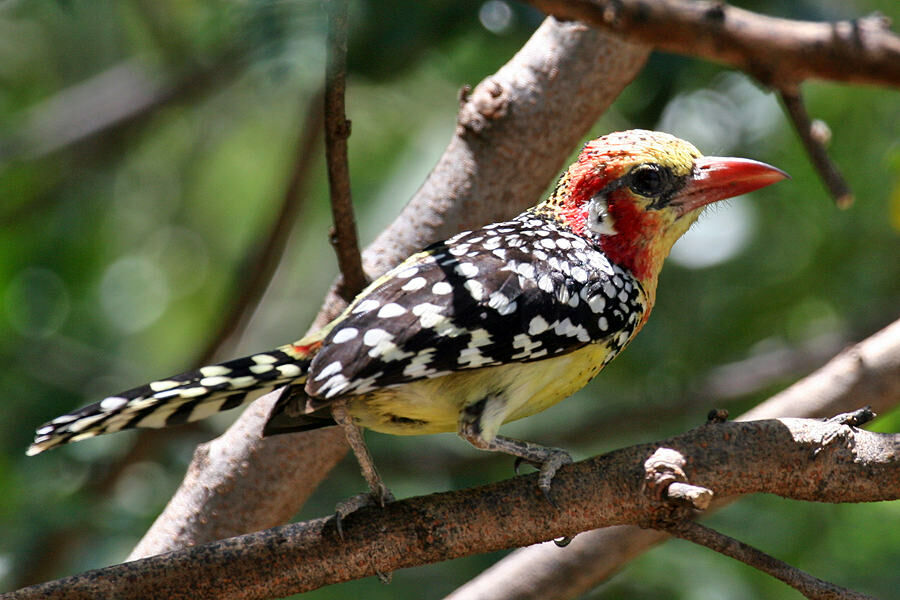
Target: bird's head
634	193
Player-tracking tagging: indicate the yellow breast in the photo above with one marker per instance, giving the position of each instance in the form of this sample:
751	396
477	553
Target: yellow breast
434	405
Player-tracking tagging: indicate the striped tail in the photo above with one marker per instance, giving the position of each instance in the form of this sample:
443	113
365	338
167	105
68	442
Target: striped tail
184	398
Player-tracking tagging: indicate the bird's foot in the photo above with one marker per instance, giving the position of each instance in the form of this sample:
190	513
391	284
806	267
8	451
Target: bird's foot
548	465
377	497
547	470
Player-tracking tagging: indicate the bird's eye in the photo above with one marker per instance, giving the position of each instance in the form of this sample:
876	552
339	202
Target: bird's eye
648	180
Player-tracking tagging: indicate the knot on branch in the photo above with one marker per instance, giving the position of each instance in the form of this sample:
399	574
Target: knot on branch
855	418
666	481
715	12
488	102
717	415
662	469
843	435
342	128
854	33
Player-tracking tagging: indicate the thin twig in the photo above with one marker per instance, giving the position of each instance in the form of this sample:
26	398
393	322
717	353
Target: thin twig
815	147
258	272
806	584
337	130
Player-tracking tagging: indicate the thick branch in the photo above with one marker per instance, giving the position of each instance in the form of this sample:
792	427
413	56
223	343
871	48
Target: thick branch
867	373
524	119
775	50
794	458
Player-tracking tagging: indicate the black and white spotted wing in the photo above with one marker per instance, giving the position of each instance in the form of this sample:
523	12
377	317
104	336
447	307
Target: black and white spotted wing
517	291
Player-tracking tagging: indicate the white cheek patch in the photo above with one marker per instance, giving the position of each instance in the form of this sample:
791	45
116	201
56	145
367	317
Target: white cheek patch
598	218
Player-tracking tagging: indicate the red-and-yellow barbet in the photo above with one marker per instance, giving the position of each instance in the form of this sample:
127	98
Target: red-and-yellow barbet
486	327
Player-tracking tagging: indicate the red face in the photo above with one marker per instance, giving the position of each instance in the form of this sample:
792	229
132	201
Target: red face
635	193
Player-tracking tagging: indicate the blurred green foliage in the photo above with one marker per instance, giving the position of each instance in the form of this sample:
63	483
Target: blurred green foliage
120	252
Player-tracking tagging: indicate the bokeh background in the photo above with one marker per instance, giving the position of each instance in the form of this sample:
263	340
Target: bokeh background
122	252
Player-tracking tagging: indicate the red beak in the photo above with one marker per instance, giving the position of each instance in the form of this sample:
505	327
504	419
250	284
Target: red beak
716	178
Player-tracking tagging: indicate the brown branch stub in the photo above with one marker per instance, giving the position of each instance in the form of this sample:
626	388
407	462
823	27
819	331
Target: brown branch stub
717	415
814	143
480	107
775	50
855	418
337	130
696	496
664	467
666	481
806	584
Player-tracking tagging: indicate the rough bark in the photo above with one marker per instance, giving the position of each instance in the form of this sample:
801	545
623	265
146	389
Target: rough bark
777	51
803	459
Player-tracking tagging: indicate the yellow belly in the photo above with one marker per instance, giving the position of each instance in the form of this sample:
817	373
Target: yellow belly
434	405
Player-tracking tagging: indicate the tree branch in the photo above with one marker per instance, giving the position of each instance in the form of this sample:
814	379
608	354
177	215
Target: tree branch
815	147
806	584
824	461
337	130
524	119
866	373
775	50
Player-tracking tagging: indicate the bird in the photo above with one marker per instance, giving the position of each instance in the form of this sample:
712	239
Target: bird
489	326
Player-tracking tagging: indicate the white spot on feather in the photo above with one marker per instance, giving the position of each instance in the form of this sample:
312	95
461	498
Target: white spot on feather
475	289
214	370
365	306
345	335
161	386
374	336
466	269
537	325
110	404
441	288
329	370
391	309
414	284
289	370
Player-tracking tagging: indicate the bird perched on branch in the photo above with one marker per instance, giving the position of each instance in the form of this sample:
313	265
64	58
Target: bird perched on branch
486	327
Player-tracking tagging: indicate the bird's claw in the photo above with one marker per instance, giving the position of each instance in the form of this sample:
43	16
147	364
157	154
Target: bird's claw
520	461
384	578
378	497
550	466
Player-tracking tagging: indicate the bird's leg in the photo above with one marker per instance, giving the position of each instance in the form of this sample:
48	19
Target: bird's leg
548	460
378	492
